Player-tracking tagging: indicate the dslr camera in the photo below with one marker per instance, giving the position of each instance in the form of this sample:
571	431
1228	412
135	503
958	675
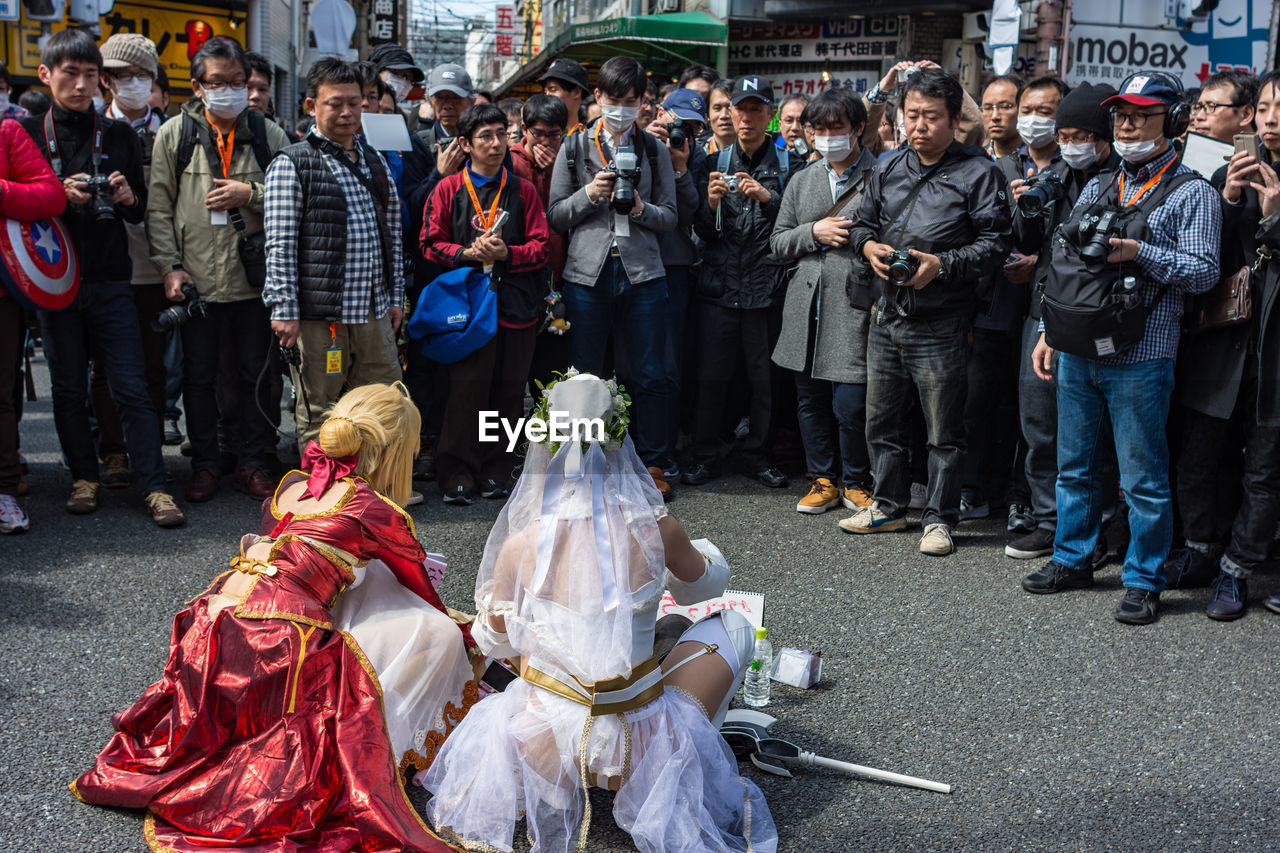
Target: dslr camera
626	167
678	133
1094	252
1043	192
193	305
103	207
902	266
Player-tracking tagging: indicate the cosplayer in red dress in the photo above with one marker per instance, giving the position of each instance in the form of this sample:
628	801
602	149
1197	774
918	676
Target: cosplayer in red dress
267	730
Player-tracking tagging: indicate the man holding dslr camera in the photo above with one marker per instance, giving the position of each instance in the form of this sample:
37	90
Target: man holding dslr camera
933	223
613	191
100	164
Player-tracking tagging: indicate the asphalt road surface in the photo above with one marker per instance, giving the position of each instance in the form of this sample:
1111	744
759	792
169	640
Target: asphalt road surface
1059	728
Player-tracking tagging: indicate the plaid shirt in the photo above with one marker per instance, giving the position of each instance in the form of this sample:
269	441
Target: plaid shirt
282	218
1182	252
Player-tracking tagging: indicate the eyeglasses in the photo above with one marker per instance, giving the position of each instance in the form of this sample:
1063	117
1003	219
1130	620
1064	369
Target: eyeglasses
126	77
219	85
544	136
1002	107
1075	138
489	138
1209	107
1137	120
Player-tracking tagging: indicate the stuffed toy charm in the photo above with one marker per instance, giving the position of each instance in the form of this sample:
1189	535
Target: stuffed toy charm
555	322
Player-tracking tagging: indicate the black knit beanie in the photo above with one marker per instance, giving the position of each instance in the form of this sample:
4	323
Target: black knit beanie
1082	109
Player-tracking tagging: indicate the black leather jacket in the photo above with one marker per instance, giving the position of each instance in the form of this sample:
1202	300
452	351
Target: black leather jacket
961	215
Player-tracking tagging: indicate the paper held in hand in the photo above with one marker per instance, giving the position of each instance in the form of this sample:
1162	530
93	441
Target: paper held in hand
749	604
1206	155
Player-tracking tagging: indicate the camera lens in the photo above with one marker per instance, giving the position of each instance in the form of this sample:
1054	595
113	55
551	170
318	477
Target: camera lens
676	136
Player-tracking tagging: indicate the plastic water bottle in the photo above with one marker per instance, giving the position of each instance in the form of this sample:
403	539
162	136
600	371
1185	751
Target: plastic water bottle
756	685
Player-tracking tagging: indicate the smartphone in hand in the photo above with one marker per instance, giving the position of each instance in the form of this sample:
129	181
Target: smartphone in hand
1247	142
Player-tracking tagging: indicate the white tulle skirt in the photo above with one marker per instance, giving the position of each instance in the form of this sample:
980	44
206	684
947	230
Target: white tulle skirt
517	755
418	654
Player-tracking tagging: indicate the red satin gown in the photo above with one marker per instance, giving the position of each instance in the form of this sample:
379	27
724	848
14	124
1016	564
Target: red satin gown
266	732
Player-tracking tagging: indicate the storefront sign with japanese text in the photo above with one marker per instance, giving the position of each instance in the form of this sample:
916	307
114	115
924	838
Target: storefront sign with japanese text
832	41
384	22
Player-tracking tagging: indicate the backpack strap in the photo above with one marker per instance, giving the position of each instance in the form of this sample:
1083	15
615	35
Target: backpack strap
784	166
187	142
261	149
572	151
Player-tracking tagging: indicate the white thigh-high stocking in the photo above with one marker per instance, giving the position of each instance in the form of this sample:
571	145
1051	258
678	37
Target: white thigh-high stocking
735	640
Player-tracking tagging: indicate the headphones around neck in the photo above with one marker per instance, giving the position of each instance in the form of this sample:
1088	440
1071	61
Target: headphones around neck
1178	117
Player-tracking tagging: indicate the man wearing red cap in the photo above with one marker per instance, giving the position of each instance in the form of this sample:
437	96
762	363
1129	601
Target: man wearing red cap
1164	245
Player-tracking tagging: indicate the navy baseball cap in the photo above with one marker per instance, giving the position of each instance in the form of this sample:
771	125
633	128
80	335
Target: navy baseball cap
687	105
751	86
1145	90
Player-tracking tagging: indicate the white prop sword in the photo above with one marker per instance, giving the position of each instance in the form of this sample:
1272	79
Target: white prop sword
747	733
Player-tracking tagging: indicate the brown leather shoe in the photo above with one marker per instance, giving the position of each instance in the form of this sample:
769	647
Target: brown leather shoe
164	512
660	480
255	482
203	485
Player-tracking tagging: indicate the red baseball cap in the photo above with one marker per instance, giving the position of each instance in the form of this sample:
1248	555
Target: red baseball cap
1145	91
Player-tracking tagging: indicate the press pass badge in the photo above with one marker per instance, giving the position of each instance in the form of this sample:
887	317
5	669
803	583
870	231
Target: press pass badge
621	225
333	355
217	217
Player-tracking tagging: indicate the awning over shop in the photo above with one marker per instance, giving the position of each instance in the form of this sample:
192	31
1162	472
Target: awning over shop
658	41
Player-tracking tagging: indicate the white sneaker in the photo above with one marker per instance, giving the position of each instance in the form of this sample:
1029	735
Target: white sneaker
12	518
919	496
415	498
937	540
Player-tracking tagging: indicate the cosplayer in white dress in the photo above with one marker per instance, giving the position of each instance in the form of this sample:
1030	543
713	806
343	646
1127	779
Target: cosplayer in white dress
571	579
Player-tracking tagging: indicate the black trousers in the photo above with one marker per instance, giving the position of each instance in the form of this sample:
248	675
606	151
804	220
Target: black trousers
1209	470
729	338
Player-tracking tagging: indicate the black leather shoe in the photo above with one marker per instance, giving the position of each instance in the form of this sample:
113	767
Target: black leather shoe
697	475
1138	607
772	477
1185	568
1230	594
1055	577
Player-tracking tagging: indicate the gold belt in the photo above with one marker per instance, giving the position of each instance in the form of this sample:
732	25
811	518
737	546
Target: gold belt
253	567
597	696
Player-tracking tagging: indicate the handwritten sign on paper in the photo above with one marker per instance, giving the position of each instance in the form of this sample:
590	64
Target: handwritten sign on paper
749	604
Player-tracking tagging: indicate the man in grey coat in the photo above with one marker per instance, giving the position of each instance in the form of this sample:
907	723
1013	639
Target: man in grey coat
614	282
826	309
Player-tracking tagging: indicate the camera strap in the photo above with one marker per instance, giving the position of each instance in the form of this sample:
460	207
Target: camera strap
51	141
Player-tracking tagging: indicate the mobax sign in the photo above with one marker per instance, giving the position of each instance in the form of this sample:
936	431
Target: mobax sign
1111	39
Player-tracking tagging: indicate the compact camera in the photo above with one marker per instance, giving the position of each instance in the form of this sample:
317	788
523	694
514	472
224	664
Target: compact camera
734	183
193	305
800	146
902	266
1043	191
626	167
103	207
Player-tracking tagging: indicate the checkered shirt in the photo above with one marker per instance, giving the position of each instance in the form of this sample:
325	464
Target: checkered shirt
1183	252
363	280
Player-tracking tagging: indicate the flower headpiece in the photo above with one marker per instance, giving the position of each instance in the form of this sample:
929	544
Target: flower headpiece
585	396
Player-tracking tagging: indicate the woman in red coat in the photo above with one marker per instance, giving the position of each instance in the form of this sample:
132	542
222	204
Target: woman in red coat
28	190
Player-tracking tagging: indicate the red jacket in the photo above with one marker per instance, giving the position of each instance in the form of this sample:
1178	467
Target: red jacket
28	187
523	165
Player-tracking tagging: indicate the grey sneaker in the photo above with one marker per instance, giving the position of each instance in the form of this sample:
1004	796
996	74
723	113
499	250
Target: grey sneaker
936	541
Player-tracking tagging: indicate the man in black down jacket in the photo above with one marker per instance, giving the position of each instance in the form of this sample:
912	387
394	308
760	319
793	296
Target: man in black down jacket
739	317
946	204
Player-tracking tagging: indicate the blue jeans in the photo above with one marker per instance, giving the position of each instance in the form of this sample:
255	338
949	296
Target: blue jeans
833	416
103	324
634	314
1136	396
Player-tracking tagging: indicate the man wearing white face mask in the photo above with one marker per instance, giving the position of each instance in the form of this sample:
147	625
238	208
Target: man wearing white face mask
398	70
1084	131
129	63
1160	241
205	227
614	281
9	107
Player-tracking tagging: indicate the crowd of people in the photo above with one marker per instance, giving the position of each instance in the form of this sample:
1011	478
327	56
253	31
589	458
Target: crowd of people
957	306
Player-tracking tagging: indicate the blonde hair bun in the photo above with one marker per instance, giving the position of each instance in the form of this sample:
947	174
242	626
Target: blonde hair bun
339	437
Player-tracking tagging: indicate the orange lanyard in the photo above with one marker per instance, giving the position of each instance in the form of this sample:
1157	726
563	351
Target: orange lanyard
599	150
226	148
1148	185
485	221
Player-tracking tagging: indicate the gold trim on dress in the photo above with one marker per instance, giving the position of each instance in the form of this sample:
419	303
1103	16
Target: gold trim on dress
587	692
149	833
297	671
434	740
462	843
333	510
75	790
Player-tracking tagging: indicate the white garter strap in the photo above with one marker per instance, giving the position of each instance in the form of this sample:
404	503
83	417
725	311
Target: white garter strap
712	584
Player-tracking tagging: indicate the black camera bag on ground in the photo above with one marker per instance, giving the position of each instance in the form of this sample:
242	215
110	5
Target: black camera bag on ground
1087	313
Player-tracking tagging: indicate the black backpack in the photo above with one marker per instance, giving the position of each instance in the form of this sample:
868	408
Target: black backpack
188	140
1097	310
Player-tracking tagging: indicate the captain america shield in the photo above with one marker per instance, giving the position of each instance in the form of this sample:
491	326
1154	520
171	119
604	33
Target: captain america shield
40	268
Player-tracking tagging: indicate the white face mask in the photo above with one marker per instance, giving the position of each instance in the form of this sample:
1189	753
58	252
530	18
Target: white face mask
618	117
1036	131
1136	152
833	148
4	100
133	94
98	103
400	86
227	102
1079	155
